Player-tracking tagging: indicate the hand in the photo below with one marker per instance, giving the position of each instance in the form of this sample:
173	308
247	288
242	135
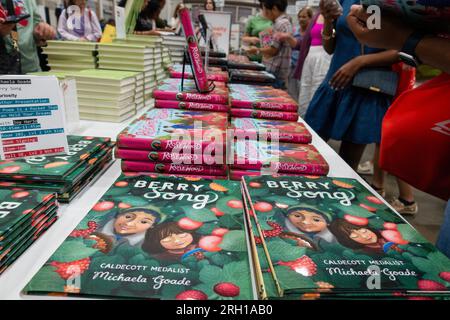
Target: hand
392	35
345	74
252	50
5	28
253	40
44	31
281	36
330	10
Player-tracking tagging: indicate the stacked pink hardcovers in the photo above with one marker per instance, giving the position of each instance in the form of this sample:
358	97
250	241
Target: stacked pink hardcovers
261	102
175	142
213	73
169	95
275	158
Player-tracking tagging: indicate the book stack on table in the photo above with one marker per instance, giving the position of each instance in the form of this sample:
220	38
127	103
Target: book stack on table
262	102
25	216
175	142
214	74
176	46
69	56
107	95
332	239
243	63
65	174
169	95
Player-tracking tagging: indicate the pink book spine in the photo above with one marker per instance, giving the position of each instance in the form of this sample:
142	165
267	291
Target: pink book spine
238	174
282	136
261	114
129	142
284	167
213	76
138	166
168	104
168	157
264	105
190	97
187	176
194	52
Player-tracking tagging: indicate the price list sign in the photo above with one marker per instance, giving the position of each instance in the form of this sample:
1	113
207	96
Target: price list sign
31	117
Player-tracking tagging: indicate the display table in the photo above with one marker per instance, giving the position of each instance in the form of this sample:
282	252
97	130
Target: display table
19	274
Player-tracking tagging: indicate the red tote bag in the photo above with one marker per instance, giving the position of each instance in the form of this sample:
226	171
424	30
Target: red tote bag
415	140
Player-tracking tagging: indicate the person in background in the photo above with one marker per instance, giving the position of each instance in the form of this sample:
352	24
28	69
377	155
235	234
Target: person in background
304	18
339	110
32	32
87	28
209	5
313	63
429	49
175	21
254	26
146	21
277	56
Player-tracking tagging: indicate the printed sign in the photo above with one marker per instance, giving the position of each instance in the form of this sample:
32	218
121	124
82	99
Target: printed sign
220	24
31	117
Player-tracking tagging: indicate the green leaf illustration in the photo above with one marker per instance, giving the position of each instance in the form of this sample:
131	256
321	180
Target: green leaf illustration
72	250
46	279
234	240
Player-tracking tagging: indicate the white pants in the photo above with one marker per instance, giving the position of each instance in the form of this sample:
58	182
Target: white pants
314	71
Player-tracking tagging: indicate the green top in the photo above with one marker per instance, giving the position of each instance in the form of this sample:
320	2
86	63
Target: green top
257	24
254	26
27	44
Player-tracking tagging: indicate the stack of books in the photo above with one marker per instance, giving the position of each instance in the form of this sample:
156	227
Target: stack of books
171	238
69	56
25	216
251	77
176	46
331	238
107	95
269	157
64	174
214	74
262	102
130	57
175	142
243	62
168	94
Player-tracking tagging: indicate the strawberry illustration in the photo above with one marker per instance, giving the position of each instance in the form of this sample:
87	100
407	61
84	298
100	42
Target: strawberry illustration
71	269
304	265
191	295
227	289
92	226
445	275
275	232
430	285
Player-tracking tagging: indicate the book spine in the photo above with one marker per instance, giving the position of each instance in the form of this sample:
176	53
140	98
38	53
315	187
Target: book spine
190	97
238	174
287	107
193	50
167	157
284	167
213	76
168	104
163	145
173	168
289	137
261	114
187	176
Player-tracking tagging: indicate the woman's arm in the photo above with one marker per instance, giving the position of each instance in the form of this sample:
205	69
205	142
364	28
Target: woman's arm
96	31
330	11
266	51
247	38
328	38
148	33
345	74
289	38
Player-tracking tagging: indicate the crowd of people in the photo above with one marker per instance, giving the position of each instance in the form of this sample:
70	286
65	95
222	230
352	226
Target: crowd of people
324	62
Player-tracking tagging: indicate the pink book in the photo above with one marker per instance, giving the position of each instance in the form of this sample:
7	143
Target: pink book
214	73
168	157
278	158
169	89
187	177
238	174
162	129
198	69
288	131
263	114
168	104
244	96
139	166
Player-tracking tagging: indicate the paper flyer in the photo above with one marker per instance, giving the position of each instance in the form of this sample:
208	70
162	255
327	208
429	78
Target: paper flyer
32	121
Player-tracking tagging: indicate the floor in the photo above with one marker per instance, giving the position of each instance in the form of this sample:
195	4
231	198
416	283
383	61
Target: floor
431	209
